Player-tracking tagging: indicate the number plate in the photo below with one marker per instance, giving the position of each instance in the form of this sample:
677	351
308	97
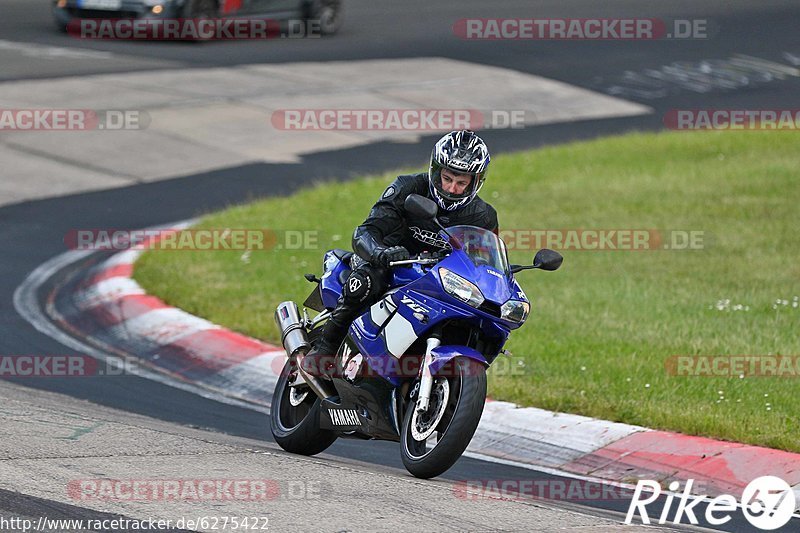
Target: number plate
109	5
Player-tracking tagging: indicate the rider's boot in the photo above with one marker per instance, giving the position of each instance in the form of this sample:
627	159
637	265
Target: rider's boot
320	361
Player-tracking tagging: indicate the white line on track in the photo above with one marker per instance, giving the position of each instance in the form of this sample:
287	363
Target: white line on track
52	52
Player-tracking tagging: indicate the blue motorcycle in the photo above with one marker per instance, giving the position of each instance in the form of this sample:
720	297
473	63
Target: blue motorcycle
412	368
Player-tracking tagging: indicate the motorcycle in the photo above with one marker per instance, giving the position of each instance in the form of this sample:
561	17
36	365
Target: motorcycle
412	368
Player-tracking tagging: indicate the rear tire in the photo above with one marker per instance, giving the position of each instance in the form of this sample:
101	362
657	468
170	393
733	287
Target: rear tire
466	395
296	427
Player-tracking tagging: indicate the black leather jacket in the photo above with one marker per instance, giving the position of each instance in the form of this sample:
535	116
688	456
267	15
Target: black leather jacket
388	223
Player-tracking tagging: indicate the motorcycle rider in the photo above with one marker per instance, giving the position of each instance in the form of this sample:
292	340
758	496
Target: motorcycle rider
457	171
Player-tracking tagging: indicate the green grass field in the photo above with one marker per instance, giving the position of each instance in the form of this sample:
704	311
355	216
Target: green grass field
603	327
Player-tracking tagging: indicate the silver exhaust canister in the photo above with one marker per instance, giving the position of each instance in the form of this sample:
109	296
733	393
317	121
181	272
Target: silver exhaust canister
296	344
293	334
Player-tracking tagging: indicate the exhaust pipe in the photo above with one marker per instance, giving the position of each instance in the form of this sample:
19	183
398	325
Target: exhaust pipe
293	335
295	341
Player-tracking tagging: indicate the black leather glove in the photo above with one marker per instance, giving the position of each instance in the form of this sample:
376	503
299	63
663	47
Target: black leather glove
393	253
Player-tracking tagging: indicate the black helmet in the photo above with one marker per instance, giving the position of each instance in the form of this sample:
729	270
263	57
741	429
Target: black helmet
462	152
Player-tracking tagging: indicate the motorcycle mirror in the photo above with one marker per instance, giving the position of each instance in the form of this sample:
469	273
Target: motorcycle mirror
421	207
546	259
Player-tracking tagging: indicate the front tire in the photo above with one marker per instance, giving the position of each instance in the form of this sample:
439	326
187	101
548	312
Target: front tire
456	406
294	418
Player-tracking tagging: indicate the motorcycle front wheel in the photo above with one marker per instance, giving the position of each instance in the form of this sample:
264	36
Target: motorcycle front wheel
431	442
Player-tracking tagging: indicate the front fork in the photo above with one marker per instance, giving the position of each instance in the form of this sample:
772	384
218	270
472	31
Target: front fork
426	379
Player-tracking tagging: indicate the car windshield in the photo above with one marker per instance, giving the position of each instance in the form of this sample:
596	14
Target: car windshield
482	246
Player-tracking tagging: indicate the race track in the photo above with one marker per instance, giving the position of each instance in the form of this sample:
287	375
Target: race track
189	436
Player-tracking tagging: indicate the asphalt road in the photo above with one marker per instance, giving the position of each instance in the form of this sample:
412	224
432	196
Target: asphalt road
32	232
416	28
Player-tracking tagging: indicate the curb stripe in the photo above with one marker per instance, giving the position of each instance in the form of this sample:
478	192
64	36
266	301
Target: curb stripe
723	467
124	270
106	291
161	326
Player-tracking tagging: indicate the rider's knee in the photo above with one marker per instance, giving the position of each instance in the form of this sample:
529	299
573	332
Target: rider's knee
363	285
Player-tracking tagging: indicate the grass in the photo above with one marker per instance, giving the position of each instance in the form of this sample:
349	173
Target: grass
602	327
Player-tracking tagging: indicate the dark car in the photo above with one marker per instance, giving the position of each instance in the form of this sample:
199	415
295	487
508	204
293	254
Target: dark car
327	12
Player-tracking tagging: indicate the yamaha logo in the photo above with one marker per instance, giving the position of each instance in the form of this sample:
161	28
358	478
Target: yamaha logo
344	417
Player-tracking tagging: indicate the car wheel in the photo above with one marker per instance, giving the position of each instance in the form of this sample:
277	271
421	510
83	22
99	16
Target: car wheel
329	13
200	9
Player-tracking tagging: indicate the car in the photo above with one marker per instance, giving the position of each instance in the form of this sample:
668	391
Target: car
327	12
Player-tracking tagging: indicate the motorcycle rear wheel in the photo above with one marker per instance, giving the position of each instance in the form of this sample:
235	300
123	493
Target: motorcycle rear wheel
294	418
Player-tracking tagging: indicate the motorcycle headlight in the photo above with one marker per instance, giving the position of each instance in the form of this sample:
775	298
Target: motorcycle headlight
515	311
462	289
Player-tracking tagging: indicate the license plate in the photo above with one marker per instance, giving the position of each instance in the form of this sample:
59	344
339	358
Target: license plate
109	5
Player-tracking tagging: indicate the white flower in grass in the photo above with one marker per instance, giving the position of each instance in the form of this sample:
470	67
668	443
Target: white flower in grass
583	369
647	386
628	380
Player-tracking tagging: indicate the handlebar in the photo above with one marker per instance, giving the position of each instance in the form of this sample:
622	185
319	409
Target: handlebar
420	260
